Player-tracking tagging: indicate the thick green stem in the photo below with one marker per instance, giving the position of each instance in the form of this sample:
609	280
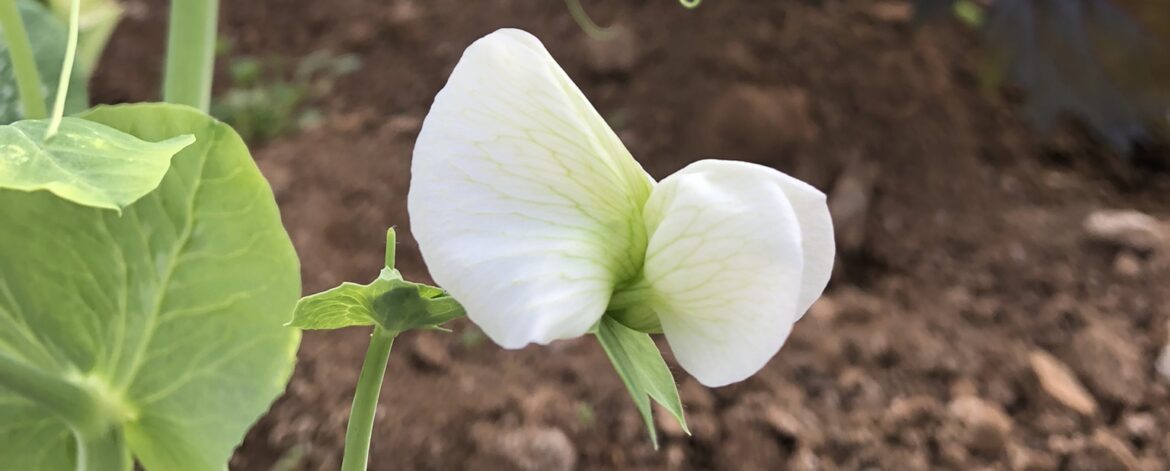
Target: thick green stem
365	401
77	406
191	52
104	452
28	78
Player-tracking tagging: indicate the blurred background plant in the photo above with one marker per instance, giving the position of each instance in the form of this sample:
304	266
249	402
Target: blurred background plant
46	42
1105	63
269	97
97	22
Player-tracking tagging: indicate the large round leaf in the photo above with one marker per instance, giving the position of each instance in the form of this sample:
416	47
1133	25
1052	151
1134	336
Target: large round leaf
173	310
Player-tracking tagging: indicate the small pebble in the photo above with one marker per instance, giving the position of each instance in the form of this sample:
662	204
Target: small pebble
1162	365
1059	382
1126	228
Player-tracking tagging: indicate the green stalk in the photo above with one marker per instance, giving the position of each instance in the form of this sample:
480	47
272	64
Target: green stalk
365	401
77	406
28	79
191	53
66	69
391	247
104	452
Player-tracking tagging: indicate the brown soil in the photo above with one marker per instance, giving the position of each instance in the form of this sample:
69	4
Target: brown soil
964	257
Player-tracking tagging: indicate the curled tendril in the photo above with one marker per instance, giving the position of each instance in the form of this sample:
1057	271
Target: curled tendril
690	3
600	33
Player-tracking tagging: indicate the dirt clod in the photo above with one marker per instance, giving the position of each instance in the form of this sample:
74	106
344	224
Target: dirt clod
617	53
986	426
1110	363
849	203
1104	452
430	351
549	406
533	448
667	425
1127	265
766	123
804	460
798	425
1141	426
748	449
892	11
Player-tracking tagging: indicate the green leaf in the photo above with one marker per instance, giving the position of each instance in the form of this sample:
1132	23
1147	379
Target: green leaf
85	162
98	19
48	36
394	304
641	367
344	306
171	313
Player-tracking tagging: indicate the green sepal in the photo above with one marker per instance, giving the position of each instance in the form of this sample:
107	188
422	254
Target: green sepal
86	162
408	306
638	362
390	302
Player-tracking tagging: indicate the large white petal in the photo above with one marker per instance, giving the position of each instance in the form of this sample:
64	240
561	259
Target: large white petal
524	202
724	263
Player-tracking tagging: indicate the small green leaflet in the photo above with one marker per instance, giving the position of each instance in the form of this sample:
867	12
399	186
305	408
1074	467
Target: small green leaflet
392	303
347	305
87	163
172	310
98	19
47	34
641	367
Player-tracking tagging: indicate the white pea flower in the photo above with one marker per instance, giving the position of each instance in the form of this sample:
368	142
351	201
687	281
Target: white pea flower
530	211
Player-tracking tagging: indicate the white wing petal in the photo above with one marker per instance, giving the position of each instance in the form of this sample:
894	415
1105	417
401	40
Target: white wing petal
524	202
816	235
725	262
